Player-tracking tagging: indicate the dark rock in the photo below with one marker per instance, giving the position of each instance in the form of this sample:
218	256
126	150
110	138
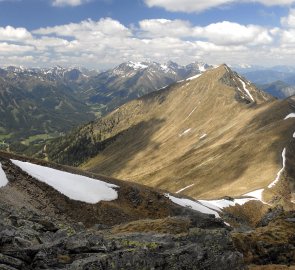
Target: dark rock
6	267
10	261
271	215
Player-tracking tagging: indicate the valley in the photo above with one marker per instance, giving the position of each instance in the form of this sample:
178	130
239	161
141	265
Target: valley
40	104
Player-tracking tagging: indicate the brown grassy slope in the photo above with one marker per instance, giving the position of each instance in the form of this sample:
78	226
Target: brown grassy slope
241	152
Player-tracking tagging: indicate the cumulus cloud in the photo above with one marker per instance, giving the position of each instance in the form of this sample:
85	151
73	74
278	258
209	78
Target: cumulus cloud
10	33
201	5
107	42
163	27
289	21
222	33
73	3
87	29
8	48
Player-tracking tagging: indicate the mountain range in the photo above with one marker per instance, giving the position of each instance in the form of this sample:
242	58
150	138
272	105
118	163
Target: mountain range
208	183
41	103
278	81
196	175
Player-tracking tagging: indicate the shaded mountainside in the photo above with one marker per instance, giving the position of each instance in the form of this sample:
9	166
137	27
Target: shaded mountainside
32	109
213	136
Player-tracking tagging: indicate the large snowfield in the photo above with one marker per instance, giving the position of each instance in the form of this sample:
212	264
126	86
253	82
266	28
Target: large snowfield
75	187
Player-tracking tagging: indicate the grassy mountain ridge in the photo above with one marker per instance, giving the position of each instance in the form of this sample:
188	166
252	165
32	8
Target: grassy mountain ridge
212	134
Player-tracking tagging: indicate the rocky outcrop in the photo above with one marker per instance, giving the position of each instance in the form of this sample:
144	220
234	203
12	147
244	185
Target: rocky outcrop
31	241
271	242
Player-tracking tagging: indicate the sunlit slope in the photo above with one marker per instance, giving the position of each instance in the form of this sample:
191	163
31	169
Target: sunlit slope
214	135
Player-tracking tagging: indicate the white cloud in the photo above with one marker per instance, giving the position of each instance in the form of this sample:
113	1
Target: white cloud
14	49
229	33
87	29
289	21
10	33
163	27
107	42
73	3
288	38
222	33
190	6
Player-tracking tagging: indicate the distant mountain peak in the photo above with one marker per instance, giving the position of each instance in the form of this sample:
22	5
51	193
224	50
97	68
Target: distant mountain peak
137	65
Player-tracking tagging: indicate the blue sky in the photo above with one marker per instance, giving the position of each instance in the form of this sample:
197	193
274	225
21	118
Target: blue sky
103	33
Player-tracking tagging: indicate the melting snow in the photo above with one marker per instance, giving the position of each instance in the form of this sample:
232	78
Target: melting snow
291	115
218	205
185	132
246	90
203	136
195	205
163	87
208	207
193	77
256	194
76	187
3	177
280	171
212	206
227	69
190	113
184	188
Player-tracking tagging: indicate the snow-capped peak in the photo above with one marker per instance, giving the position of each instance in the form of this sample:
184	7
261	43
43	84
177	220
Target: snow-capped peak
137	65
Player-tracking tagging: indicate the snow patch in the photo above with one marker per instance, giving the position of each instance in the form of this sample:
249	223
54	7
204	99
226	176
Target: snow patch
165	68
184	188
75	187
3	177
218	205
202	67
185	132
190	113
137	65
203	136
255	194
291	115
280	171
162	87
195	205
246	90
193	77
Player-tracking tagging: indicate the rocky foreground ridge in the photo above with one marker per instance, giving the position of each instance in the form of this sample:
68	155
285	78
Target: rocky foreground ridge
54	232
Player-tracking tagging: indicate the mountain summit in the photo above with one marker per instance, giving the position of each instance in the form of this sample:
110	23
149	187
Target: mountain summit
210	136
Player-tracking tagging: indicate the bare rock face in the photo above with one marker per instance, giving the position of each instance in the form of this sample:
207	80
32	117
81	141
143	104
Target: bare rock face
30	241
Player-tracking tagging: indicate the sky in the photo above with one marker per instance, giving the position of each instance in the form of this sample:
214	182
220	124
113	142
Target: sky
101	34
